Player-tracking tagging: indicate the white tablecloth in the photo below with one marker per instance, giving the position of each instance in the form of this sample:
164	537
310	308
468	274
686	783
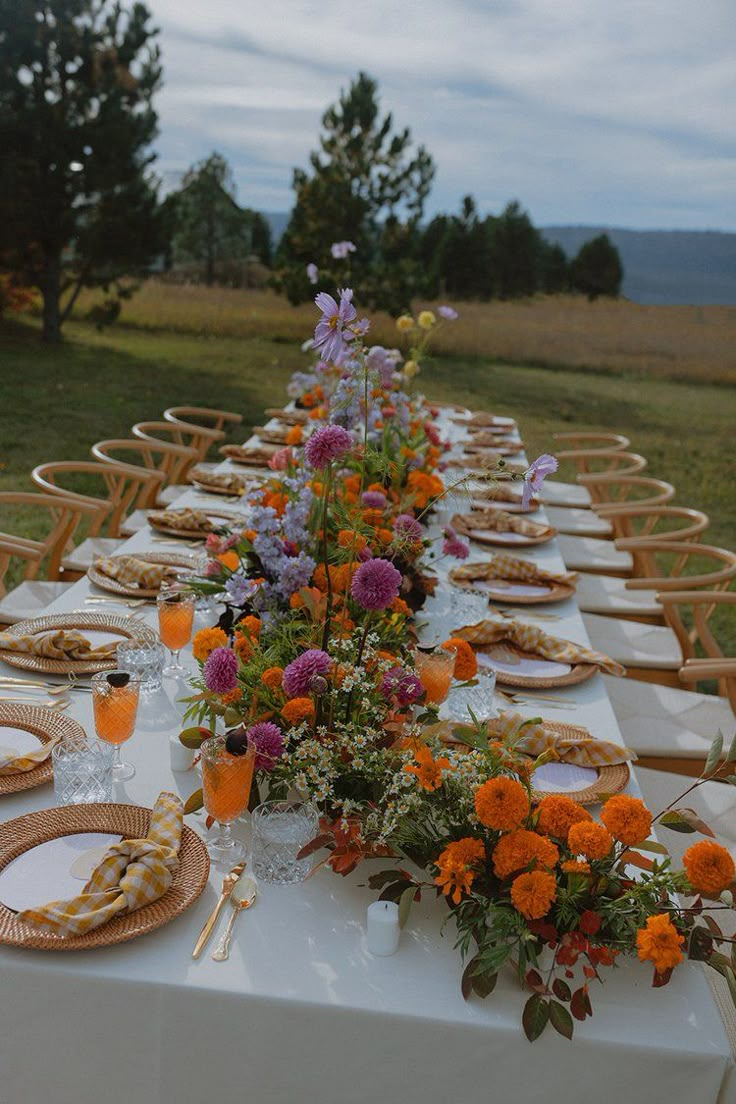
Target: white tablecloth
302	1011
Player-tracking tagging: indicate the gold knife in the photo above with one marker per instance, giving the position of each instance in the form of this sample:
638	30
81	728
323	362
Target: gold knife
227	887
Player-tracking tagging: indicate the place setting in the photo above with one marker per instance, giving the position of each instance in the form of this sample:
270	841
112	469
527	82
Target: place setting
71	644
191	524
508	579
228	484
29	734
256	455
499	527
139	575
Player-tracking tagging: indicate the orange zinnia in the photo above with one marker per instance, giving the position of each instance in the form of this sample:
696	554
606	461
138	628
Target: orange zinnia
271	677
206	641
457	867
709	867
294	436
660	942
428	769
532	894
627	819
589	839
558	813
298	710
501	803
230	560
521	848
466	665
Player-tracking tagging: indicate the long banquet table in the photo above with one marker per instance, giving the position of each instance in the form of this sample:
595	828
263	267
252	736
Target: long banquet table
302	1010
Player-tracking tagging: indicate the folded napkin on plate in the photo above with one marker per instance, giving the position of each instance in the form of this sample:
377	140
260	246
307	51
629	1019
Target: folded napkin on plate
512	569
503	491
57	644
29	760
226	481
250	454
129	571
275	435
482	420
499	521
185	518
487	438
291	417
582	752
133	873
530	638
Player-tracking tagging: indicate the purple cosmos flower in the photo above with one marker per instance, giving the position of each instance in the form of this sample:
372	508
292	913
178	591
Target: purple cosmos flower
297	677
340	250
312	273
407	526
374	500
453	546
535	476
268	741
402	685
447	312
221	671
327	444
337	326
375	584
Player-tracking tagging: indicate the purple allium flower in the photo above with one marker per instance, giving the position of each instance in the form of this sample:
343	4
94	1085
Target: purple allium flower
374	500
453	546
535	476
312	273
221	671
337	326
375	584
407	526
327	444
268	741
340	250
297	677
447	312
403	685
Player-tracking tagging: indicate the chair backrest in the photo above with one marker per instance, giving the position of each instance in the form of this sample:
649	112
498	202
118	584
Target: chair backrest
202	416
661	565
169	460
582	446
699	604
606	467
632	523
64	515
124	485
637	490
198	438
722	669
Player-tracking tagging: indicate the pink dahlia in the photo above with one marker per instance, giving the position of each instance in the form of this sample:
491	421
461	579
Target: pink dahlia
221	671
375	584
327	444
297	677
268	741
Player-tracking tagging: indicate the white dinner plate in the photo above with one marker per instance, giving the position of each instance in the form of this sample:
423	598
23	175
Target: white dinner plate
16	741
529	668
44	873
563	778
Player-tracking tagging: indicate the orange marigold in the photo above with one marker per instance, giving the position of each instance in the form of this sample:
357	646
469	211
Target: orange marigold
399	606
271	677
627	819
458	867
243	647
250	624
660	942
589	839
575	866
206	641
348	538
523	848
298	710
466	664
558	813
501	803
532	894
232	696
230	560
294	436
428	769
709	867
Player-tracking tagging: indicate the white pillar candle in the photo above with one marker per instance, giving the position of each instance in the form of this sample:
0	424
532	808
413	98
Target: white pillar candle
181	757
383	928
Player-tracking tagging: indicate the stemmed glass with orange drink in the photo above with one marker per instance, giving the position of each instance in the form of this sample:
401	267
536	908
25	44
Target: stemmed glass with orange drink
435	670
175	621
115	705
227	777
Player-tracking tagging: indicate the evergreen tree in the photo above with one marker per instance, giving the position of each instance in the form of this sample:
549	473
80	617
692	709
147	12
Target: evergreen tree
554	269
597	268
77	204
515	253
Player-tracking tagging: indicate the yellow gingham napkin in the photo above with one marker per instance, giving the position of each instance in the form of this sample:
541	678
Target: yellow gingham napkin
57	644
29	760
530	638
129	571
498	521
132	874
186	518
291	417
511	568
250	454
536	739
227	481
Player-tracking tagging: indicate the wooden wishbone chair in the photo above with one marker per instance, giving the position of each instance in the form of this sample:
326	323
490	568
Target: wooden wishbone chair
202	416
166	459
197	438
581	446
638	490
608	464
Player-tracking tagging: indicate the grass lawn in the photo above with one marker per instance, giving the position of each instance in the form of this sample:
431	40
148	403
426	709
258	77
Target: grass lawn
55	402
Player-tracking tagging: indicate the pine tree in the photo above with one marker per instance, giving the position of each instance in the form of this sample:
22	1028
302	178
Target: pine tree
597	268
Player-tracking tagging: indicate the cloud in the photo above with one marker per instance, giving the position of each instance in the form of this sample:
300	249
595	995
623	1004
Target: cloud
587	111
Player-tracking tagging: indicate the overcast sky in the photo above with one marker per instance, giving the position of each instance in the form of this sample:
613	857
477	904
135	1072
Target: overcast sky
611	112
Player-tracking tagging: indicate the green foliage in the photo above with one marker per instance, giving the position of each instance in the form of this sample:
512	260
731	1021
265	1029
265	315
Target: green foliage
365	185
77	205
597	268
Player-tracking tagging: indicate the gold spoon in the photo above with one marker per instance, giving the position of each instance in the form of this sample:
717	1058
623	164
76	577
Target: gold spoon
242	897
228	882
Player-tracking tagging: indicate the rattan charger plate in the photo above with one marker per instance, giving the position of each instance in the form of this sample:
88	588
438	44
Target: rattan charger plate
98	622
46	724
509	448
194	534
580	672
104	582
544	534
558	592
210	488
131	822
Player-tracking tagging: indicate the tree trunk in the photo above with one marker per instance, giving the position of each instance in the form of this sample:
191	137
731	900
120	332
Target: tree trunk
51	290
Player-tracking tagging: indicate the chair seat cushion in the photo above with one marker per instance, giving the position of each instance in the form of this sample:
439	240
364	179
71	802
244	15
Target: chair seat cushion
29	599
609	595
590	554
664	721
85	554
633	643
554	493
713	801
585	523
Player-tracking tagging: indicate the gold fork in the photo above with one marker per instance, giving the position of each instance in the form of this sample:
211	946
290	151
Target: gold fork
228	882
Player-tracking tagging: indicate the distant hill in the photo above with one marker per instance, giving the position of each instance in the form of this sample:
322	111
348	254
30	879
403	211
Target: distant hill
665	266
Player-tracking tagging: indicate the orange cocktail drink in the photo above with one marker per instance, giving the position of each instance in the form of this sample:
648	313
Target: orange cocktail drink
435	670
226	784
115	707
175	622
